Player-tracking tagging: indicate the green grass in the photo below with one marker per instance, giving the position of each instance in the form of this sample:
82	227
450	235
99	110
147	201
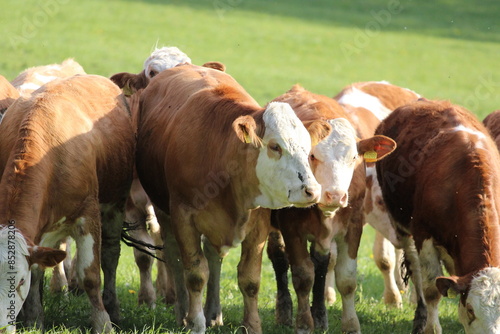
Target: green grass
442	49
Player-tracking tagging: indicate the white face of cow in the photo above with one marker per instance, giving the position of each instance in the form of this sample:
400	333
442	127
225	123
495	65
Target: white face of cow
333	161
481	313
283	170
162	59
15	276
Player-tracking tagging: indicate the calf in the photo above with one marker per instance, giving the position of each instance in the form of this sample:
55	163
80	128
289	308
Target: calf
207	155
67	160
367	103
35	77
442	189
334	224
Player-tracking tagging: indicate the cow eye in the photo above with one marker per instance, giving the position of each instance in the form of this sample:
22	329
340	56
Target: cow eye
470	313
152	73
276	148
312	157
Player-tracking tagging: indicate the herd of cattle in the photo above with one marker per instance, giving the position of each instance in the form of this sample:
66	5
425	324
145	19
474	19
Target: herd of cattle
184	155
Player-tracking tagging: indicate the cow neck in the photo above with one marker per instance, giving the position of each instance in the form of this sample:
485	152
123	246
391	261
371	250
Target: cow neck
23	193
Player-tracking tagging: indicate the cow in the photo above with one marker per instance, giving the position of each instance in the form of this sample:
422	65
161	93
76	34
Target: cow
207	155
442	189
67	155
8	94
33	78
139	212
368	103
492	123
335	223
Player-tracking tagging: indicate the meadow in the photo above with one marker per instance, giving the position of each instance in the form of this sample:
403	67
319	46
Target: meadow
441	49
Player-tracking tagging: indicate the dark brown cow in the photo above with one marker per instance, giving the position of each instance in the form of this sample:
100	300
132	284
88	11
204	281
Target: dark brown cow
67	159
207	154
442	189
337	220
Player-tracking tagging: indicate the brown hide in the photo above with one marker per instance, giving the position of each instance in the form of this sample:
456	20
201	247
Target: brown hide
442	182
71	142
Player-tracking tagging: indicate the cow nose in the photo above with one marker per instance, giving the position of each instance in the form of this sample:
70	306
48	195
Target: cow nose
312	193
336	198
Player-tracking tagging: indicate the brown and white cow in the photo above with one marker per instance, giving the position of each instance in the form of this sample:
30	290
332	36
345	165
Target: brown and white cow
334	224
368	103
35	77
67	160
8	94
442	189
139	212
207	155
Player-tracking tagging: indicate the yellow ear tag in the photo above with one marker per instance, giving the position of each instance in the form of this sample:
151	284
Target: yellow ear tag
370	156
247	138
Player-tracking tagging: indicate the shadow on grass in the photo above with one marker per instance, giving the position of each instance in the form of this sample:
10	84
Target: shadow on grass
458	19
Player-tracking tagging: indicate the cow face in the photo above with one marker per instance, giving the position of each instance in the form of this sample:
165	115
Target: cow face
283	171
162	59
16	259
333	161
480	311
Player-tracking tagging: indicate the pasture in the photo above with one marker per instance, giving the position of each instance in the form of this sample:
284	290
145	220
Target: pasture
441	49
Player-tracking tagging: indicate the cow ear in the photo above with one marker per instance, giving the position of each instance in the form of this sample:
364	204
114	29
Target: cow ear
130	83
46	256
376	148
216	66
245	127
444	284
318	130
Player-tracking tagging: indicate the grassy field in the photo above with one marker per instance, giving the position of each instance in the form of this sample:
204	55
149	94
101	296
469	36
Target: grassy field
442	49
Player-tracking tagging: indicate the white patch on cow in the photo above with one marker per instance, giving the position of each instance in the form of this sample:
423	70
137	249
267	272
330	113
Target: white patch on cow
15	276
85	249
29	86
378	217
484	299
480	136
335	157
360	99
44	78
282	180
162	59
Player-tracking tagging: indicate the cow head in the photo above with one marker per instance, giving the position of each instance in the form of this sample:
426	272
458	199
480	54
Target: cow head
479	307
16	259
159	60
334	159
283	169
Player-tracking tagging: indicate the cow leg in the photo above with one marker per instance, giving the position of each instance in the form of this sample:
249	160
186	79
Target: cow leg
250	266
385	258
345	277
330	294
213	311
431	268
87	267
32	314
58	282
413	261
318	308
277	255
112	225
172	257
302	276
